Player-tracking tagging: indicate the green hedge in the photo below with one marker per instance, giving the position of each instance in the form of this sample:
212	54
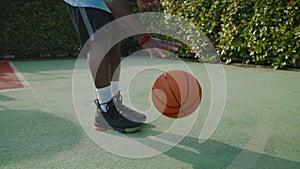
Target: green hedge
35	28
264	32
30	29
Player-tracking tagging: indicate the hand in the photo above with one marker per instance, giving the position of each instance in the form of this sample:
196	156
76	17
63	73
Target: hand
146	5
154	45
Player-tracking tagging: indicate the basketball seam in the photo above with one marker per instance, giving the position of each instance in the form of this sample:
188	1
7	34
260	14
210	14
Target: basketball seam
177	101
188	107
198	98
166	104
188	88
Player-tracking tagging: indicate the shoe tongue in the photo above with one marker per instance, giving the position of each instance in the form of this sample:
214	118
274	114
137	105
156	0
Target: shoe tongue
107	105
104	107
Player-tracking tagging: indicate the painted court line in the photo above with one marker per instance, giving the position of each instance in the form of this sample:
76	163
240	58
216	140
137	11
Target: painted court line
11	79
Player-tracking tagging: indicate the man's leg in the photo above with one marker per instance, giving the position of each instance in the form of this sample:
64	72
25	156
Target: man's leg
107	116
100	70
115	65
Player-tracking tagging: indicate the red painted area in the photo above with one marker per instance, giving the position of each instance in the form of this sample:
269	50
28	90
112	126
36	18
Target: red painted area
8	78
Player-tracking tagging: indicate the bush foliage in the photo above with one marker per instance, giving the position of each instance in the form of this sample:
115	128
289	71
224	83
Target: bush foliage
34	28
265	32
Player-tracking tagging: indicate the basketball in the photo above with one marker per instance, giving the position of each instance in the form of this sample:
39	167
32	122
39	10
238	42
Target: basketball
176	94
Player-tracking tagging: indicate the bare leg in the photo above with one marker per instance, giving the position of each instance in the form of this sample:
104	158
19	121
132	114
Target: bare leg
100	71
115	60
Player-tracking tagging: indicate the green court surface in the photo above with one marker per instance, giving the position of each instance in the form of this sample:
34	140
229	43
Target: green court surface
259	129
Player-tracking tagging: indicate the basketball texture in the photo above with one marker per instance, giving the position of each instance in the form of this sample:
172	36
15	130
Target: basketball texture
176	94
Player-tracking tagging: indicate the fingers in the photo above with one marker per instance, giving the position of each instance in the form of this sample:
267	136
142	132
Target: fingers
149	5
156	47
175	44
169	46
161	53
145	8
156	53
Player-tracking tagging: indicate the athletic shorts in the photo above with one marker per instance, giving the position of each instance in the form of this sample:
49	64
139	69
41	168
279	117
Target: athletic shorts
97	18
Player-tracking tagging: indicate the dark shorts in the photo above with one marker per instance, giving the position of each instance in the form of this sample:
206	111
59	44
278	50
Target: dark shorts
97	18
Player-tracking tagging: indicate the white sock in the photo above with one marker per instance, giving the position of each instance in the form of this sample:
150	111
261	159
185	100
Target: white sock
104	96
114	87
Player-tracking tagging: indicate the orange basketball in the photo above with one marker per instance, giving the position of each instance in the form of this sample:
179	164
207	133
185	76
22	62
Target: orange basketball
176	94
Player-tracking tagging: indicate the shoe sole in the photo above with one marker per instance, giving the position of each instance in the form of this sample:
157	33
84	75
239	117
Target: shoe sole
126	130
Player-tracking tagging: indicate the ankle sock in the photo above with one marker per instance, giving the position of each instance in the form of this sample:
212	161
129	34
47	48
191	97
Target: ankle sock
104	96
114	87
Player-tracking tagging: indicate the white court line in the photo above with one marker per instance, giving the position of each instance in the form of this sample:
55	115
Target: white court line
24	82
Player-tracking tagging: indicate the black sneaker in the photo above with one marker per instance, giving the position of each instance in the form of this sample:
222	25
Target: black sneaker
112	119
126	111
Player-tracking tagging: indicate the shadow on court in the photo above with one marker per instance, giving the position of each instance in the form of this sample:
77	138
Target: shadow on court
6	98
33	134
214	154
